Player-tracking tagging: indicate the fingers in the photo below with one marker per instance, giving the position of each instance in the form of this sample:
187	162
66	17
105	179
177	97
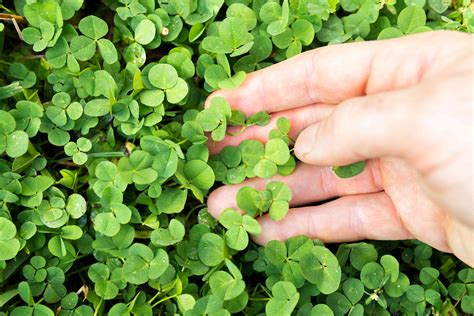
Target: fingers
350	218
309	184
335	73
460	238
365	127
300	118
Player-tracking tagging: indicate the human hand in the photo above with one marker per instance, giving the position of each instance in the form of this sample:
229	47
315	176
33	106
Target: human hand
406	106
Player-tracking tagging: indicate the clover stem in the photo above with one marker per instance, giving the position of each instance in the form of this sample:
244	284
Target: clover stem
192	210
154	297
182	142
259	299
163	300
78	271
98	307
109	154
458	301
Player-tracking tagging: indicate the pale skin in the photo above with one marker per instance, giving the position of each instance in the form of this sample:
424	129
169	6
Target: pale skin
405	106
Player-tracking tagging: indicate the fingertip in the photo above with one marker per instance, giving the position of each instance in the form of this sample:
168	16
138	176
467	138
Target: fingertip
222	198
219	93
209	98
265	236
271	230
213	203
305	145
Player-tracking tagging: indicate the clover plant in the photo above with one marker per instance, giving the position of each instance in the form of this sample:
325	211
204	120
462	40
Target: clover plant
105	168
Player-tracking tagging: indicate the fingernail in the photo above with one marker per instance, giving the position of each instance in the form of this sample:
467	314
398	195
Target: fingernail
306	141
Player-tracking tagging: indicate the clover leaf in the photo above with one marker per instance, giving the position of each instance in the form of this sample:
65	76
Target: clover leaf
321	267
238	227
349	171
78	151
275	198
9	244
284	299
214	118
165	237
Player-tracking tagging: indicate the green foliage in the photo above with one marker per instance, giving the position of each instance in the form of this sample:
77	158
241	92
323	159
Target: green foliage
349	171
105	168
274	199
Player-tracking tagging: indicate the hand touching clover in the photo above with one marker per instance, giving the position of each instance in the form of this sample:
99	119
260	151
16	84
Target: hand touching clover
405	106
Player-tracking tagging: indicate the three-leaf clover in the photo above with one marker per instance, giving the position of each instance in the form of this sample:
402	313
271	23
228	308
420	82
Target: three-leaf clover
231	38
165	77
238	227
83	47
143	264
78	150
214	118
274	198
284	299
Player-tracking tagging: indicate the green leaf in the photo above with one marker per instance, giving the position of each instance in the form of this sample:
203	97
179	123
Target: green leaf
178	92
338	303
411	18
353	289
225	286
199	174
349	171
398	287
135	270
97	107
237	238
280	191
439	6
163	76
321	267
171	201
265	168
9	248
284	300
372	275
415	293
107	224
17	144
76	205
275	252
467	304
391	266
428	275
72	232
7	229
166	237
361	254
107	51
215	44
276	150
245	200
244	13
145	32
233	82
390	32
278	210
93	27
7	122
321	309
211	249
83	48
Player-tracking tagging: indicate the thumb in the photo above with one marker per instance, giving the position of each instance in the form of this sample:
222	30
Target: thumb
361	128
